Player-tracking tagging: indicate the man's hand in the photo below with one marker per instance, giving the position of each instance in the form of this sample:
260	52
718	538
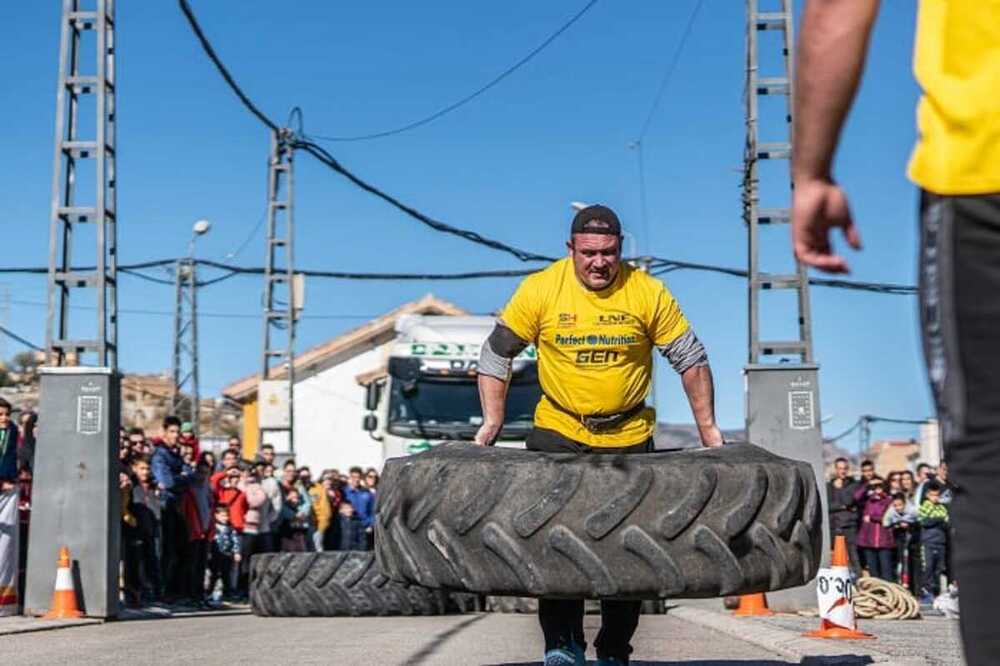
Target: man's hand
711	436
237	557
488	433
819	206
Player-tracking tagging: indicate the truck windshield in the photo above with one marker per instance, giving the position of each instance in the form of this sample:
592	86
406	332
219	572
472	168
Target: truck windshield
450	409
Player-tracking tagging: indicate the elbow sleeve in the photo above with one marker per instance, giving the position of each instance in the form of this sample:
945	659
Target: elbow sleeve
496	354
685	352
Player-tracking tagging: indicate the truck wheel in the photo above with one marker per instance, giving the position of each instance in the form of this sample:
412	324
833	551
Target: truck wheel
688	524
332	584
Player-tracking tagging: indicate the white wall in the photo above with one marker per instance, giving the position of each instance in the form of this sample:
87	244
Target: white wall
329	407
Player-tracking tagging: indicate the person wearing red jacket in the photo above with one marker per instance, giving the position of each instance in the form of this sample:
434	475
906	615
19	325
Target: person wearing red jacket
197	505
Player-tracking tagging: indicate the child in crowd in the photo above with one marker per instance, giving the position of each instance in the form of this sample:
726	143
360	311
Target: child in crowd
875	541
350	531
196	506
145	542
226	554
933	517
901	518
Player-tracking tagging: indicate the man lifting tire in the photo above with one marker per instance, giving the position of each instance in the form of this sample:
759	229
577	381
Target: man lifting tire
595	322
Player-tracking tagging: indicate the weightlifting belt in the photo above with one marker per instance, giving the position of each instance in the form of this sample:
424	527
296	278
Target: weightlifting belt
598	423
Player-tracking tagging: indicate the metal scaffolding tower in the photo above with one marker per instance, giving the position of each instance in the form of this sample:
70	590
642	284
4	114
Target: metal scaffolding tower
86	89
276	388
779	148
185	397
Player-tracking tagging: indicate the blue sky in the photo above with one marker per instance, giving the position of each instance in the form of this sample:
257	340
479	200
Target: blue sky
506	165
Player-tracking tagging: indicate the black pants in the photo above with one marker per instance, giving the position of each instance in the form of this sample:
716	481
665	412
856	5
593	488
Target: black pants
197	565
960	317
879	562
174	540
222	567
562	619
250	545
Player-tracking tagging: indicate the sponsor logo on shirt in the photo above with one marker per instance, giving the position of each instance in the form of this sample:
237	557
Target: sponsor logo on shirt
596	340
592	357
566	320
613	319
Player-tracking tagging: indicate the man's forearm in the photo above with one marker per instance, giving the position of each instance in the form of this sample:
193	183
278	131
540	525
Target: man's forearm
493	397
832	44
700	391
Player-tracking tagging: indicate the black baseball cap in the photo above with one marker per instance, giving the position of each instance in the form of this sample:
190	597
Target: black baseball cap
596	220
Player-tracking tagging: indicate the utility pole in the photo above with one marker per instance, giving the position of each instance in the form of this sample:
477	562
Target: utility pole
782	398
78	447
276	390
185	398
82	149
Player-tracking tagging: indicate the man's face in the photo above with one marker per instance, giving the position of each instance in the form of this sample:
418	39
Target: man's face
171	434
305	476
354	479
4	417
267	455
229	460
136	442
867	471
943	472
288	475
234	443
596	259
922	472
841	469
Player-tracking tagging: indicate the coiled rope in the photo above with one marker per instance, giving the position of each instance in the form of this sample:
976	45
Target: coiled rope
877	599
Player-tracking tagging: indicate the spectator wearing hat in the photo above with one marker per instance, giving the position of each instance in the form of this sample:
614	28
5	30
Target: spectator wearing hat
189	439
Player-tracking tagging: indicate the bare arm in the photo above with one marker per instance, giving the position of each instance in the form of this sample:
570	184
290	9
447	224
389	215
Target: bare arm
831	53
494	378
493	397
700	390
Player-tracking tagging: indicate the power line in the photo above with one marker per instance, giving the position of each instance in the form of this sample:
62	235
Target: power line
17	338
250	236
326	158
210	52
468	98
671	68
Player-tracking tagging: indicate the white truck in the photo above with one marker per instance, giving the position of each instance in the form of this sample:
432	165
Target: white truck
429	395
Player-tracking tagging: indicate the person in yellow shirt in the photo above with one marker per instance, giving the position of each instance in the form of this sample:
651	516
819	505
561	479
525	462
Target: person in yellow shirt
595	322
956	164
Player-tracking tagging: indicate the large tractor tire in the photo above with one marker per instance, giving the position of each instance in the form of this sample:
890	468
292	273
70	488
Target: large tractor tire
332	584
687	524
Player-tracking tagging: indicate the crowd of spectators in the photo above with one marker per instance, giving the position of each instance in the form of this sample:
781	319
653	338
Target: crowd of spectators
191	522
897	528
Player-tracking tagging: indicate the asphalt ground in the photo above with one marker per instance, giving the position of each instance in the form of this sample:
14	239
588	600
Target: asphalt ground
462	640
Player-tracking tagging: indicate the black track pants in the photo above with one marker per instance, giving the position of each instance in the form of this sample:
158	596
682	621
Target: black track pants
562	619
960	317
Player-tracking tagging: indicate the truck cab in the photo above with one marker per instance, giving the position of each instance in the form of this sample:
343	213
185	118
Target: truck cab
430	395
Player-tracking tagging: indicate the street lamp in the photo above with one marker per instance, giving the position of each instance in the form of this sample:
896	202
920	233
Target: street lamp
200	228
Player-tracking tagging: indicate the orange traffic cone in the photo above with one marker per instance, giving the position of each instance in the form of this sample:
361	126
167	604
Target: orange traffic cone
64	598
842	609
753	605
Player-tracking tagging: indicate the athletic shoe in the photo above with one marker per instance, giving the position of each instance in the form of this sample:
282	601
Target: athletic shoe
568	656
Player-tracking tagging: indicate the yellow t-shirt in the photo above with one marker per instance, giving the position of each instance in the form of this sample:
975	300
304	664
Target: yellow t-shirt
957	64
594	347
